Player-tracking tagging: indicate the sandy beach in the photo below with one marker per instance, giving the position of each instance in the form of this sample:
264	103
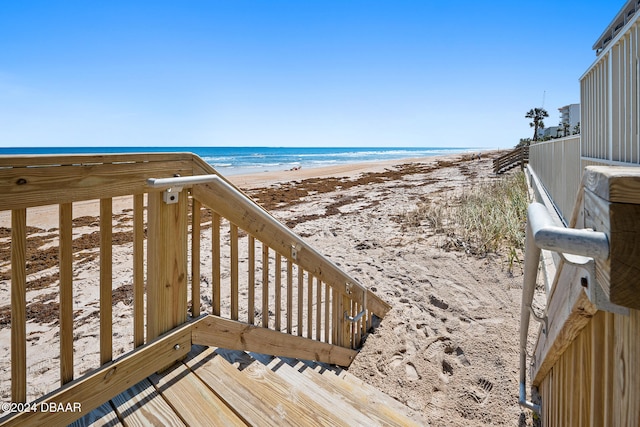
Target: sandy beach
448	348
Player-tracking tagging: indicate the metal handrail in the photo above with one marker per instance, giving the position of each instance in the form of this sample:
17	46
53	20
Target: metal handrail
542	233
176	184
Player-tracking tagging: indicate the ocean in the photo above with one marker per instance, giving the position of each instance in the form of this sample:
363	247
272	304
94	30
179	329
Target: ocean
240	160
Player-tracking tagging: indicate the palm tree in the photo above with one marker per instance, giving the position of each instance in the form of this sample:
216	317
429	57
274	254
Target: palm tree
536	114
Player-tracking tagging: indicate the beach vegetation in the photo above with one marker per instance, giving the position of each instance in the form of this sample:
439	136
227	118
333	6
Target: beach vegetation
489	217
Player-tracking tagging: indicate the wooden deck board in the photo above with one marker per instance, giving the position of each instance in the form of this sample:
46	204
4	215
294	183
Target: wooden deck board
102	416
258	396
378	407
192	400
322	395
142	405
229	387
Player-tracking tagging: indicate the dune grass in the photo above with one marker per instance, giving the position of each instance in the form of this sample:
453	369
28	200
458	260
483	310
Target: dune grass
489	217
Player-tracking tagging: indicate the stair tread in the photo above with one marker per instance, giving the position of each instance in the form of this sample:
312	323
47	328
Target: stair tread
142	405
367	399
263	398
192	399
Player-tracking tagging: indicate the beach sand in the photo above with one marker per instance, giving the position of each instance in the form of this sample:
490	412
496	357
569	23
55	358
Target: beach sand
449	346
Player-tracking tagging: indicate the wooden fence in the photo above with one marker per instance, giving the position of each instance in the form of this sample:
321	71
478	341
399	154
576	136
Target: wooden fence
259	272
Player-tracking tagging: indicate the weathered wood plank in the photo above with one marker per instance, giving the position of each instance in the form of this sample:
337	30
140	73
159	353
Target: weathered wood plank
619	275
217	332
92	390
18	306
106	280
619	184
141	406
259	396
66	292
568	311
192	399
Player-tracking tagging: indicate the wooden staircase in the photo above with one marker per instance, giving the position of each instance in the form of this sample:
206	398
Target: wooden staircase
229	387
517	157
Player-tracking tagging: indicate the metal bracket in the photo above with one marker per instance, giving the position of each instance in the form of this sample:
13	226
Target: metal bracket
592	288
171	195
175	185
355	318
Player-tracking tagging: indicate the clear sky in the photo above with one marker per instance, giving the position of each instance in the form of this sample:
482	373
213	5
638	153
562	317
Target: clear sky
289	73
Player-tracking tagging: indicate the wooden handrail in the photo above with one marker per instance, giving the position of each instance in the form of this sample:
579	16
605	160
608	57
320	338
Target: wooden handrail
516	157
318	296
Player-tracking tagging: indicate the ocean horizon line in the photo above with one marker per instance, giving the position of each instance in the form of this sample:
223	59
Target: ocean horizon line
240	160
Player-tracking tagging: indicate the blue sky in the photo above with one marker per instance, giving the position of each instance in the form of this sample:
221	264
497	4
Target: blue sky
289	73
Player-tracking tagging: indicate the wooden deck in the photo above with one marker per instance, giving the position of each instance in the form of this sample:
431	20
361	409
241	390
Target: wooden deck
250	389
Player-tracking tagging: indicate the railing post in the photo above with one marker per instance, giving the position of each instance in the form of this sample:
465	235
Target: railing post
166	264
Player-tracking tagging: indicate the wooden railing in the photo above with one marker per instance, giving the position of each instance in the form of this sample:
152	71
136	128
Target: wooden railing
516	157
262	277
586	348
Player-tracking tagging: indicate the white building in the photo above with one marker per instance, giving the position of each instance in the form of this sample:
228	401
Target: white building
569	114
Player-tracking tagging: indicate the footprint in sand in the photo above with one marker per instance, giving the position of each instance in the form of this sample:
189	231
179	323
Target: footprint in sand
396	360
411	371
480	391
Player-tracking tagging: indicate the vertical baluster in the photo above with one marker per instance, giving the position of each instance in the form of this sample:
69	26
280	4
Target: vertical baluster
300	299
18	306
215	263
66	293
337	318
138	270
278	291
106	281
327	307
346	325
318	309
310	306
195	257
252	280
356	326
289	297
265	285
234	272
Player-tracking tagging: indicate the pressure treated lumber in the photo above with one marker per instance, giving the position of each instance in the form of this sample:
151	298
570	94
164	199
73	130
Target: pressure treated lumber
218	332
109	380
